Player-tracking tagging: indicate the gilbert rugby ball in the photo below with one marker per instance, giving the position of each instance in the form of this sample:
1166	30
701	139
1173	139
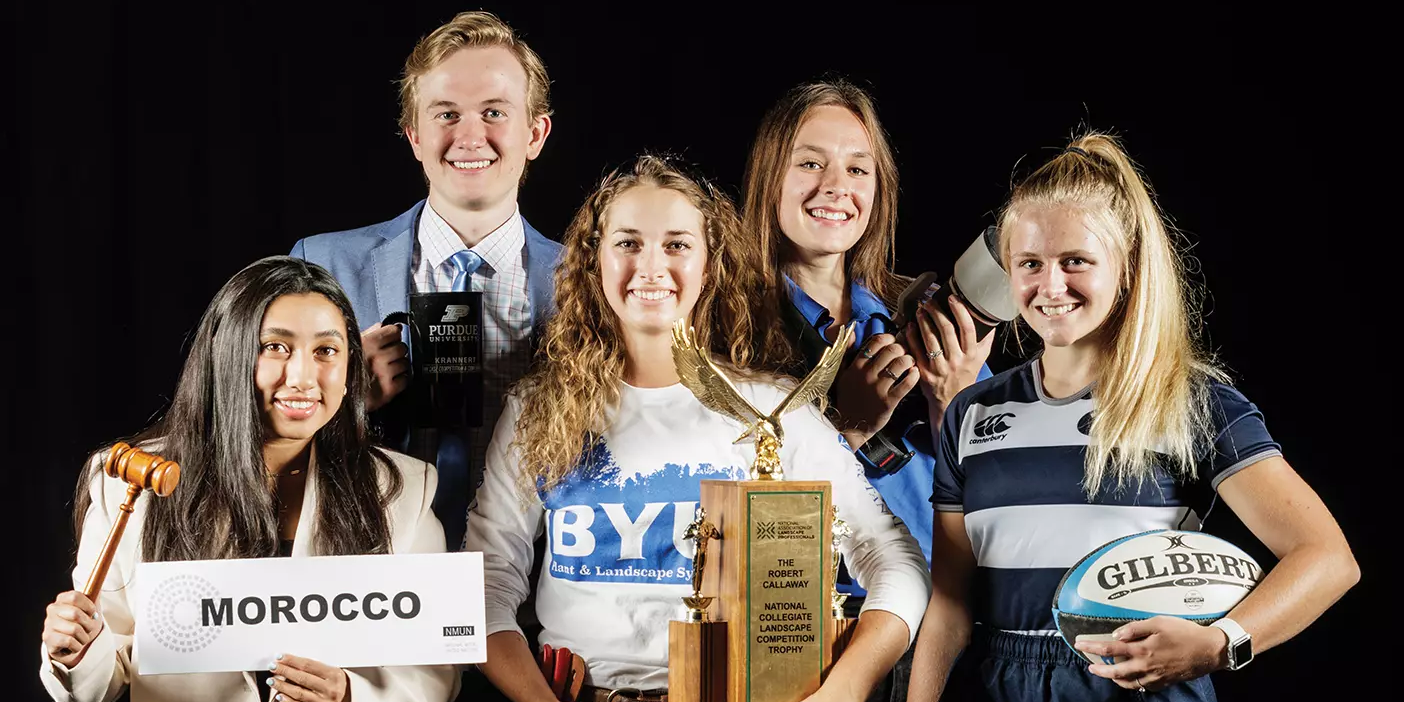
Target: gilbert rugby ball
1186	574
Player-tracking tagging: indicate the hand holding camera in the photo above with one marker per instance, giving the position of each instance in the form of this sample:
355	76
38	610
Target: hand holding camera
951	337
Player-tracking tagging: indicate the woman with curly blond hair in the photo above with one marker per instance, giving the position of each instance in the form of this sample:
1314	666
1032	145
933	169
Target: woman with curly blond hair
603	449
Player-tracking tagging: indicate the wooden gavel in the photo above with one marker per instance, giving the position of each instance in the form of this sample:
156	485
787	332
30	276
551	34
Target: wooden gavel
140	470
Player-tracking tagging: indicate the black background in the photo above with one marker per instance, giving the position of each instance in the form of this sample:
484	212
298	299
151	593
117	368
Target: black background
158	151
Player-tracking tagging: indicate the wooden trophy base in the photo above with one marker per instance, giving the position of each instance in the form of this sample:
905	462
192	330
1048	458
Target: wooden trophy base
697	661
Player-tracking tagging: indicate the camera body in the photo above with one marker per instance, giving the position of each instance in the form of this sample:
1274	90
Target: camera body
980	282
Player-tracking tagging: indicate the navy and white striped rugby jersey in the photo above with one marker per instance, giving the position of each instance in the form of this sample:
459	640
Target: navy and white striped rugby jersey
1011	459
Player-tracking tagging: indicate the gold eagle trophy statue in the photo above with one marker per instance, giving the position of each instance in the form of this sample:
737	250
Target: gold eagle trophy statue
700	374
771	568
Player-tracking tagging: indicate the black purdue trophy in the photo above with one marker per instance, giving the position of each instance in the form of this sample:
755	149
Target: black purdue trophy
446	351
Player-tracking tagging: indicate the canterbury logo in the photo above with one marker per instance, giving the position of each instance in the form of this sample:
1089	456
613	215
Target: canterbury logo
453	313
991	428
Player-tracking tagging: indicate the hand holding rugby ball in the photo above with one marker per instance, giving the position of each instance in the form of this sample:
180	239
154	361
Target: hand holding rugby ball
1186	574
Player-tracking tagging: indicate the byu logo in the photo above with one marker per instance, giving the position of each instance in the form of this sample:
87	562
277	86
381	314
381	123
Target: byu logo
453	313
605	524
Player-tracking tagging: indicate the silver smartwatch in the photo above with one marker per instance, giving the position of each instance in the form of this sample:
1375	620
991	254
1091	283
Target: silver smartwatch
1240	643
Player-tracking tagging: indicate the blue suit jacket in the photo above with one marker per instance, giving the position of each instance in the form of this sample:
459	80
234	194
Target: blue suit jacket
373	266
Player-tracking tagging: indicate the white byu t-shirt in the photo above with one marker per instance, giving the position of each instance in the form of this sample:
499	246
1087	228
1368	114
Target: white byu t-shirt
616	562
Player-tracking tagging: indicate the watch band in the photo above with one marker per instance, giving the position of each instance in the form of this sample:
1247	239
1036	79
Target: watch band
1237	637
884	455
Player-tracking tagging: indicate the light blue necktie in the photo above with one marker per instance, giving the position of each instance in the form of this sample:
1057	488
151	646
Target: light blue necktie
451	500
465	262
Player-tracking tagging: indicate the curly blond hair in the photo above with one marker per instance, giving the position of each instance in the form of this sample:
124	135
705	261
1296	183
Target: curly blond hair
580	363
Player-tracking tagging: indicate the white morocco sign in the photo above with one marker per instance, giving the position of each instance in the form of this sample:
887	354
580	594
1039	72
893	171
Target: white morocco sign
345	611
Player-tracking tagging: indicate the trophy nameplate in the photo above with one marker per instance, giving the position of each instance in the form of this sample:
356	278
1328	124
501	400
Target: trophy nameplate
771	576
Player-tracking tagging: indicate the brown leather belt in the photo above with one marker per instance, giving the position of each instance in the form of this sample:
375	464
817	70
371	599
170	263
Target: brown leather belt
590	693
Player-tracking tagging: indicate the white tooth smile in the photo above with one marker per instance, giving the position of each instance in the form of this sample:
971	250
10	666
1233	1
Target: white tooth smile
298	404
829	215
651	294
471	165
1056	310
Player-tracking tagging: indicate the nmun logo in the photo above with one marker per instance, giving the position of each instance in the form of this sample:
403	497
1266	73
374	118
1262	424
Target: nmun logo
173	611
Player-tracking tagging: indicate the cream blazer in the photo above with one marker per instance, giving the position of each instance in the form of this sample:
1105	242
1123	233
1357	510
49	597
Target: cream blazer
108	666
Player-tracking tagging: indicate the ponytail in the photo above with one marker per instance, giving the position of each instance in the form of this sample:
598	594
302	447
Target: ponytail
1152	389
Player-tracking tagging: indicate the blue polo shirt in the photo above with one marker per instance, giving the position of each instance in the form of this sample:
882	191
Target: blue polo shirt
908	491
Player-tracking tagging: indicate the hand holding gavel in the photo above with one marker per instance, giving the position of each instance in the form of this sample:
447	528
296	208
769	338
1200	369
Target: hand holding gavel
70	625
73	620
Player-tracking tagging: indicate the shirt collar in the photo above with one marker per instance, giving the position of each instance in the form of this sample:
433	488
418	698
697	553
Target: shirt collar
863	304
438	240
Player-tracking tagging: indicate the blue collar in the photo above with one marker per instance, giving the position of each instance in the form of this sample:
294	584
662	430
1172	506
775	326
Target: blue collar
867	310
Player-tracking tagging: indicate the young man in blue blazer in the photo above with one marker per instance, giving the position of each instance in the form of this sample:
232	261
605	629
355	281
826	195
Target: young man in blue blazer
475	109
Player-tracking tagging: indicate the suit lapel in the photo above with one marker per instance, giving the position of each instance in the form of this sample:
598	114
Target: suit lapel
302	540
541	261
390	265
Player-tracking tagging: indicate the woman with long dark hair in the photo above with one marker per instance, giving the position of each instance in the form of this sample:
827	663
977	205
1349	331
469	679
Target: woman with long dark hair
268	425
821	204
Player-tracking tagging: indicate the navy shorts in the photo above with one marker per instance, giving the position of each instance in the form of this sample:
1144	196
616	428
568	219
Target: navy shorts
1018	668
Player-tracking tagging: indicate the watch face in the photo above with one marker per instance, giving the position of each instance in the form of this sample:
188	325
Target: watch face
1242	653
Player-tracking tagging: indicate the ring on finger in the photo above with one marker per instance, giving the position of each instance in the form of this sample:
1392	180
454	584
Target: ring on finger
866	353
888	372
933	355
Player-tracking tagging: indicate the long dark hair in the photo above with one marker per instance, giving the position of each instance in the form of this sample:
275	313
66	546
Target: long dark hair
871	259
224	507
